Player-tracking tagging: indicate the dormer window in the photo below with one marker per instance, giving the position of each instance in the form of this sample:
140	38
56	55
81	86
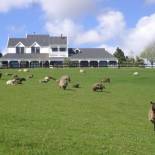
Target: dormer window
77	51
20	49
35	48
62	49
55	49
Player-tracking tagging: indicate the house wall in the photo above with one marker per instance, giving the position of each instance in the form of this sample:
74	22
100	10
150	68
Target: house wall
11	50
58	53
45	50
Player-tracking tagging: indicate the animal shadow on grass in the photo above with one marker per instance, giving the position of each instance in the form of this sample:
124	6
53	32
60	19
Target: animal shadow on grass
104	91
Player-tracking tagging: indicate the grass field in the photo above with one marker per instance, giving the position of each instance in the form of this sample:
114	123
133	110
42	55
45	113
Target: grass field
41	119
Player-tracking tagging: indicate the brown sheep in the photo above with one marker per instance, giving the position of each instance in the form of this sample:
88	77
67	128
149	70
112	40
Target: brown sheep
151	115
8	74
66	77
14	76
98	87
77	85
63	83
30	76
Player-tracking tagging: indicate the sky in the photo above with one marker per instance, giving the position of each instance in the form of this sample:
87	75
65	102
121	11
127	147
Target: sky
127	24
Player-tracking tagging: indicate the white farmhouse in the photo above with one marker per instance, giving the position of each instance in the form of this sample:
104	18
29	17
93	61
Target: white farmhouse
44	50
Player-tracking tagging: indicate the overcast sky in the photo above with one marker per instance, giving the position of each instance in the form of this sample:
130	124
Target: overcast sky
128	24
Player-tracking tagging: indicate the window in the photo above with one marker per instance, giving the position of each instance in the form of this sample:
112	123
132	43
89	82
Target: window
55	49
62	49
20	50
35	50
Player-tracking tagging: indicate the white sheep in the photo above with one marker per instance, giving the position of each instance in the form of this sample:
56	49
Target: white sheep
82	71
25	70
10	82
46	78
135	73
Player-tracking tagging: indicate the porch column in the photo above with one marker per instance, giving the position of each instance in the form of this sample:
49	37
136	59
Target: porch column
98	63
79	63
8	63
29	63
88	63
108	63
19	61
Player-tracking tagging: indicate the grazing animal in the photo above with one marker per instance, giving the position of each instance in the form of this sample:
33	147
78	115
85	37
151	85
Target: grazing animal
30	76
49	78
77	85
15	76
43	81
82	71
17	81
11	82
66	77
9	74
135	73
98	87
25	70
151	114
63	83
20	79
106	80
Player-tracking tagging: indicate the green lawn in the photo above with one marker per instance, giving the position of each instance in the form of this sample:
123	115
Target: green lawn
41	119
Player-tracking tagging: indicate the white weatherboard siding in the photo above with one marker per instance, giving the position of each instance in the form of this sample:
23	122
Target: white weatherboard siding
58	53
44	49
27	50
11	50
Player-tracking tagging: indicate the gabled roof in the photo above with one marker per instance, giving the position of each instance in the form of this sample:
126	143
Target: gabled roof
90	53
58	40
42	40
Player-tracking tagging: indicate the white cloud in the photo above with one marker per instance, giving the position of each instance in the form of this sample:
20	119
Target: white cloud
6	5
52	8
67	27
140	36
111	24
149	1
109	48
60	9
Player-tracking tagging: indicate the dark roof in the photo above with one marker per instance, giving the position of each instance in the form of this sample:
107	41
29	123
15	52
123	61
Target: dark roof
11	56
58	40
90	53
42	40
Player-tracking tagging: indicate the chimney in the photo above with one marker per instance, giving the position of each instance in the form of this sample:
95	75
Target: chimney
61	35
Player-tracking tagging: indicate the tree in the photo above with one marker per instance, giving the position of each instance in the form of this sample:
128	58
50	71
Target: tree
149	53
139	61
67	62
119	54
130	61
